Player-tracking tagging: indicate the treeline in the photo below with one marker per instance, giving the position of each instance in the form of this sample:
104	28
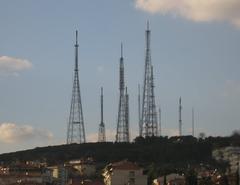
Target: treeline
180	151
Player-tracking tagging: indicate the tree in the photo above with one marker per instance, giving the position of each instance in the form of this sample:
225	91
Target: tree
191	177
165	180
224	180
206	181
202	135
152	173
237	177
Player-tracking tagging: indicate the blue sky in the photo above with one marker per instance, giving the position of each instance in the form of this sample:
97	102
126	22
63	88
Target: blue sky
195	53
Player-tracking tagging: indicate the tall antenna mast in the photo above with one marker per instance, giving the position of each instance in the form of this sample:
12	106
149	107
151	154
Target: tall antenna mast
149	115
193	122
180	116
139	111
101	104
160	121
153	107
127	136
76	131
122	122
101	131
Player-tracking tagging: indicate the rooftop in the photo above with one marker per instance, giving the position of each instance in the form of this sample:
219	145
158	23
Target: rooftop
125	165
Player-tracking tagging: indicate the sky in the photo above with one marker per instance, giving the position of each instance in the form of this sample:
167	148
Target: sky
194	50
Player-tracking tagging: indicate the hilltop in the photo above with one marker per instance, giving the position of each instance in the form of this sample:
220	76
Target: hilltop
158	150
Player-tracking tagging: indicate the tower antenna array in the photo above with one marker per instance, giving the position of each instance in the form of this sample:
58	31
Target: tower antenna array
123	107
149	121
75	130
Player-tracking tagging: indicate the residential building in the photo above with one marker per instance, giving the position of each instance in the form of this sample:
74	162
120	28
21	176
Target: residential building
124	173
229	154
171	179
85	167
59	174
23	173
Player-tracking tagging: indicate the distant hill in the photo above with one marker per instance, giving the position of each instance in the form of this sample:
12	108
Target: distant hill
158	150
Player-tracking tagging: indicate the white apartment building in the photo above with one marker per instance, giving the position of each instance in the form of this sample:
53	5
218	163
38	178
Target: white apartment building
229	154
124	173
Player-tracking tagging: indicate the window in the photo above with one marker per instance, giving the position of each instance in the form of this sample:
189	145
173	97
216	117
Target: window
131	177
132	181
132	174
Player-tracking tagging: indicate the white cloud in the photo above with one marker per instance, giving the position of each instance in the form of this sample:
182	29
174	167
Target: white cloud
195	10
11	66
12	133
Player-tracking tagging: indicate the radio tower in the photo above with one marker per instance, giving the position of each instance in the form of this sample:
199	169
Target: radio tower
75	131
139	111
123	114
149	115
193	122
180	116
101	131
160	121
127	139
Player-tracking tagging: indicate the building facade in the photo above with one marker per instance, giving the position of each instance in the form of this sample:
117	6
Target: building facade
124	173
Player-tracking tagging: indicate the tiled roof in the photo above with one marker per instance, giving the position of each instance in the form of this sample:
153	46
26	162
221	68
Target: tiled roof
78	181
125	165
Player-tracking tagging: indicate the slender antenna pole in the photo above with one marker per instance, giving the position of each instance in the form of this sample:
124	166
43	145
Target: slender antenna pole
147	24
160	121
193	122
180	116
101	130
101	104
121	50
139	111
76	52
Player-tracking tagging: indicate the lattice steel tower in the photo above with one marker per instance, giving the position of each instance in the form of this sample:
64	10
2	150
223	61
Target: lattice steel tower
75	131
101	131
123	107
149	115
